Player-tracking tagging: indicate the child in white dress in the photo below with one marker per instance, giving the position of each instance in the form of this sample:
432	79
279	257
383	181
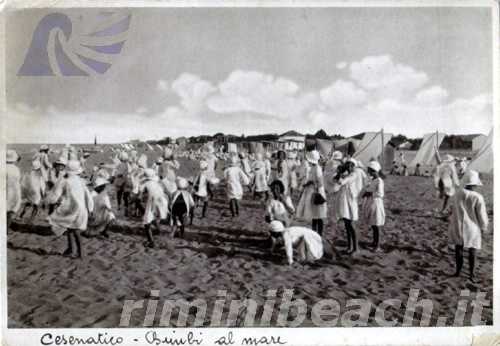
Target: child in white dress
33	189
13	184
279	207
200	189
182	206
468	221
102	216
373	204
309	243
235	179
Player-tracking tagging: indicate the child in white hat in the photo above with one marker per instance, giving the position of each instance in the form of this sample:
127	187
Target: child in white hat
102	216
346	202
446	179
156	204
309	243
261	189
468	221
43	157
13	184
182	205
373	205
120	181
312	205
74	205
200	189
235	179
33	189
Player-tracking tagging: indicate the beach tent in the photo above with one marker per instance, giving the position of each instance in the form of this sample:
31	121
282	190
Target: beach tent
372	146
426	154
325	147
483	161
256	147
232	148
150	148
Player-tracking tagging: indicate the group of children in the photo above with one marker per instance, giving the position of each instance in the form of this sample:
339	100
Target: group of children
338	185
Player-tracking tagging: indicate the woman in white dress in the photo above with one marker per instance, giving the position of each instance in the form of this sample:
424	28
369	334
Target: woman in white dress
235	178
468	221
309	243
312	205
373	204
13	184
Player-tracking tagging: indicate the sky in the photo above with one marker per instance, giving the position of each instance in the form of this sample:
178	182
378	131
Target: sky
191	71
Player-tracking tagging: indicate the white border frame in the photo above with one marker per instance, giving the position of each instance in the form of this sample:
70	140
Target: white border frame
293	336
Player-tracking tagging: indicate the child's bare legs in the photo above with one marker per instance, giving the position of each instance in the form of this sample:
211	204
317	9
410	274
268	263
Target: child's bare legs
34	212
352	240
376	238
445	203
232	207
23	211
205	207
472	263
69	249
459	259
149	235
79	250
237	207
301	249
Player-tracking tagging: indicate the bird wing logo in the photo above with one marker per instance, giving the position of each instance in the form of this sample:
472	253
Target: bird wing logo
58	47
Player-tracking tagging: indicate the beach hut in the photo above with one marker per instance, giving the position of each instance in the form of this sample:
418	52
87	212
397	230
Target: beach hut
426	154
478	142
483	161
292	140
372	146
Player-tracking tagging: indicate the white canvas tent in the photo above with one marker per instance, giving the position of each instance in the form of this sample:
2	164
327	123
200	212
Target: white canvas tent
426	154
372	146
232	148
483	161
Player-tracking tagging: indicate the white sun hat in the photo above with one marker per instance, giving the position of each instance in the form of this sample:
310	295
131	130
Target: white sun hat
277	226
182	183
74	167
471	178
12	156
100	181
337	155
312	156
374	165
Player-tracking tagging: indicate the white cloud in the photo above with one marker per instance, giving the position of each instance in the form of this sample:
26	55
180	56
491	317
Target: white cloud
432	96
192	90
383	77
250	91
141	110
341	65
342	93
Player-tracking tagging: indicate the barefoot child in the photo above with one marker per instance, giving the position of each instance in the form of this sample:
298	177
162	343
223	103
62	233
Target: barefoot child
309	243
468	221
261	189
33	189
200	189
13	184
373	205
235	179
74	205
182	206
156	204
102	216
446	179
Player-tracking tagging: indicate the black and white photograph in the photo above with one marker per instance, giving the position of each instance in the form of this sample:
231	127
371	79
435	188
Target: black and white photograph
241	166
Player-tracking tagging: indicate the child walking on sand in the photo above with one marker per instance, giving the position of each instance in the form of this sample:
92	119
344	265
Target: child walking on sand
261	189
200	190
468	221
182	206
156	204
446	179
235	179
373	205
74	205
